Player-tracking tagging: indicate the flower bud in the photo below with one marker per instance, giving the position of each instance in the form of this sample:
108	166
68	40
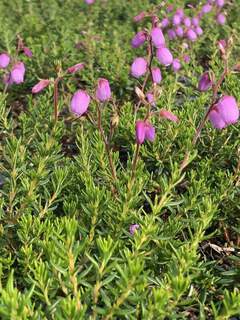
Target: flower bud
140	131
157	37
224	113
139	67
28	53
199	31
4	60
179	32
206	8
133	228
180	12
191	35
139	17
195	21
168	115
221	19
150	98
220	3
149	132
80	102
164	56
186	58
18	72
40	85
75	68
164	23
222	44
205	82
187	22
103	92
176	65
89	1
171	34
156	75
176	20
139	39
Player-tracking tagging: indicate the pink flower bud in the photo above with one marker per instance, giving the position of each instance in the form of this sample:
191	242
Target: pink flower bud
187	22
133	228
179	31
4	60
191	35
206	8
157	37
170	8
164	23
171	34
80	102
139	67
195	21
205	82
164	56
149	132
156	75
176	65
180	12
176	20
89	1
27	52
186	58
199	31
140	131
222	46
224	113
40	85
139	17
103	92
7	79
168	115
150	98
220	3
221	19
17	73
139	39
75	68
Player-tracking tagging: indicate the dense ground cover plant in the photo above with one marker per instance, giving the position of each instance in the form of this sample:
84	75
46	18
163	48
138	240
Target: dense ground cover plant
108	210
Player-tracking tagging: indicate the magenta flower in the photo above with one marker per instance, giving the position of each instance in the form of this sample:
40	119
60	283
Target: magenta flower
164	56
206	8
168	115
144	130
176	19
27	52
176	65
187	22
199	31
191	35
75	68
139	17
195	21
41	85
4	60
139	39
222	44
221	19
156	75
171	34
139	67
179	32
103	92
157	37
164	23
150	98
89	1
180	12
186	58
133	228
205	82
224	113
80	102
17	73
220	3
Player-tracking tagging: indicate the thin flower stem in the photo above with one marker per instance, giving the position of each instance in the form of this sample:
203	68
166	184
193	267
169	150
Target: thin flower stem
107	147
135	160
56	98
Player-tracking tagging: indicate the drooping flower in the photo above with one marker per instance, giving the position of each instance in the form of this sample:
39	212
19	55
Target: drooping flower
191	35
157	37
205	82
144	131
75	68
89	1
139	17
220	3
42	84
206	8
187	22
171	34
222	44
156	75
80	102
150	98
224	113
4	60
179	31
164	23
176	20
199	31
221	19
27	52
139	67
168	115
195	21
186	58
139	39
164	56
133	228
176	65
103	92
18	72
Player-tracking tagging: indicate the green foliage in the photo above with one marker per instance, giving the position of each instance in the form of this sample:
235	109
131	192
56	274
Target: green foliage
65	247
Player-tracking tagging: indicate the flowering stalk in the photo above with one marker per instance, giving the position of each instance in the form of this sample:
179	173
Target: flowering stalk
56	98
